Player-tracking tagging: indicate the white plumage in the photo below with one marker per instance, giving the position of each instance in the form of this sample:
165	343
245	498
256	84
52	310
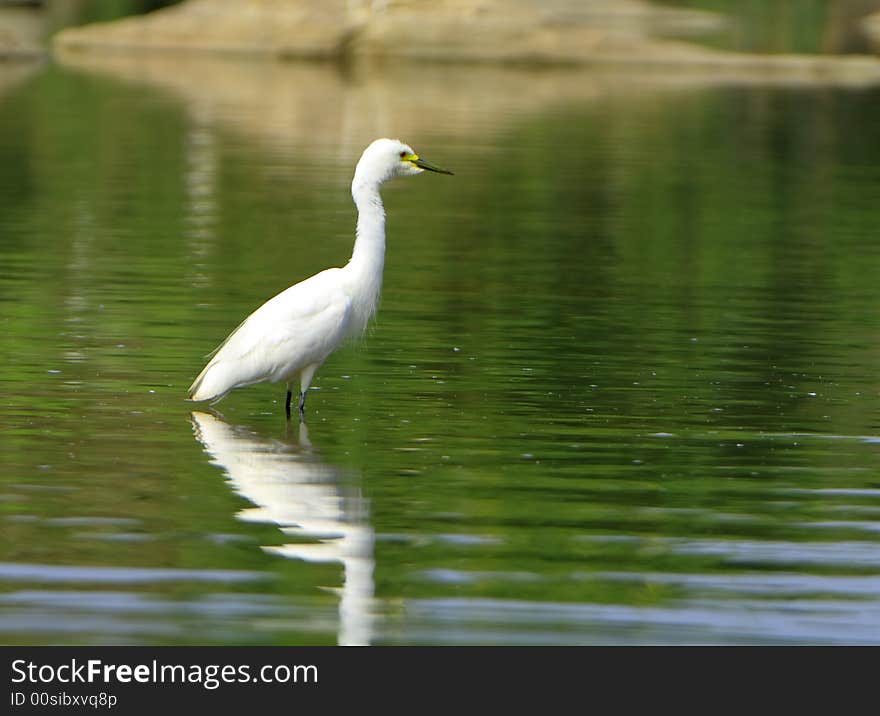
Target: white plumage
292	334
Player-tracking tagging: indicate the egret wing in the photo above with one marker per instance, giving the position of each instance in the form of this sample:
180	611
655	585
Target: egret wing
274	321
299	326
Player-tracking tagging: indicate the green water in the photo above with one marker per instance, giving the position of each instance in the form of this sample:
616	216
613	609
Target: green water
622	388
784	26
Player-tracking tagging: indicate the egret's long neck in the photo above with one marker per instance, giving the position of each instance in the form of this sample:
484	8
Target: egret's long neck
369	246
368	258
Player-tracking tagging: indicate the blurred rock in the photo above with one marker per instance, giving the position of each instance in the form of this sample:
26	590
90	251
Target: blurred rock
560	32
281	28
525	30
871	28
21	32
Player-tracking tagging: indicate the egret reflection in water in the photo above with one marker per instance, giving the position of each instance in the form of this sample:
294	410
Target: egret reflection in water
291	487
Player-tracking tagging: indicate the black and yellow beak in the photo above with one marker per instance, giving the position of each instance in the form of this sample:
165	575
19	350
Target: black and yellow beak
416	160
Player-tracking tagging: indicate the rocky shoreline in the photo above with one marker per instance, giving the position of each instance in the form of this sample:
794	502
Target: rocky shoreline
622	34
552	32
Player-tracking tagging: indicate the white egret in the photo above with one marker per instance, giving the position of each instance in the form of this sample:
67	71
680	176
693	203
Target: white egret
292	334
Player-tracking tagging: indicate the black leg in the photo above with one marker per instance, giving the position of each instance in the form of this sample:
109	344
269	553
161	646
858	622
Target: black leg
302	405
287	403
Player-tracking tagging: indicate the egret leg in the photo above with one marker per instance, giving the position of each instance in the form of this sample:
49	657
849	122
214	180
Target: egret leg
287	402
305	378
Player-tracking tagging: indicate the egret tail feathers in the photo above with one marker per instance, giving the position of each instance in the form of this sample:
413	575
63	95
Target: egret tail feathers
207	387
218	379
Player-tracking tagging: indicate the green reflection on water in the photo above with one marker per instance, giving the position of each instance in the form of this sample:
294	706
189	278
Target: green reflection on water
785	26
633	340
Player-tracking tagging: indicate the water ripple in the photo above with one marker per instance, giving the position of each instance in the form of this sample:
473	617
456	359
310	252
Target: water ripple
122	575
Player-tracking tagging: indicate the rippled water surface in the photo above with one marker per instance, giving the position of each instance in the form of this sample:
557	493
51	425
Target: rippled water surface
622	388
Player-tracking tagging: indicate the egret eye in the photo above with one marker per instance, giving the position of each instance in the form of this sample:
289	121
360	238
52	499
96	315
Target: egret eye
402	155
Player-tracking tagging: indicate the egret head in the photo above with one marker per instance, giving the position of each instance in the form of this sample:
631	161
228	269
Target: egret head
388	158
